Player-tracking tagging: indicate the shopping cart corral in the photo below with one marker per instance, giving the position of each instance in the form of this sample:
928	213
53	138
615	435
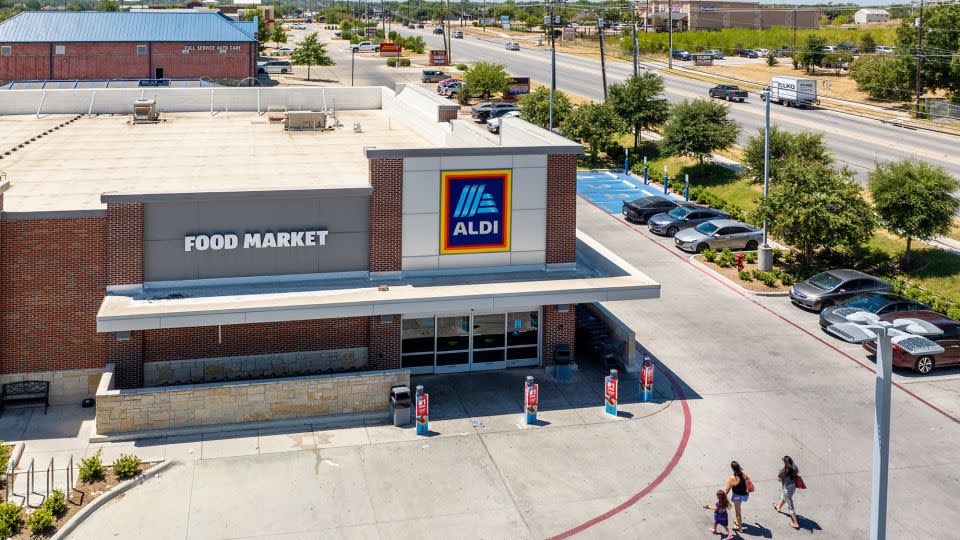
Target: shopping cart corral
596	341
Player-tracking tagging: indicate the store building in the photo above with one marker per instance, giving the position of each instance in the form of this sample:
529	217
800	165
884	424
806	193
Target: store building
51	45
714	15
215	249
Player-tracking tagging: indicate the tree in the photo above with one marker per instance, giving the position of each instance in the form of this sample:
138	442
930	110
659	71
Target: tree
310	53
803	146
816	205
593	124
883	76
914	199
106	5
811	55
867	44
697	129
535	107
279	35
263	31
837	60
485	79
941	47
637	101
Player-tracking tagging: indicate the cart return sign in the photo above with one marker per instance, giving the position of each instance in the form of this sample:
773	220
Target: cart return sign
475	211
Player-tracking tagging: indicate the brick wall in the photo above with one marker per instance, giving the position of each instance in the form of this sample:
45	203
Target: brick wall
125	243
51	284
127	356
447	114
386	214
557	328
562	202
260	338
384	349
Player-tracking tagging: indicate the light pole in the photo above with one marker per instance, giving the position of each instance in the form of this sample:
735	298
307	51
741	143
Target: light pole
353	56
553	62
636	52
670	27
765	254
881	437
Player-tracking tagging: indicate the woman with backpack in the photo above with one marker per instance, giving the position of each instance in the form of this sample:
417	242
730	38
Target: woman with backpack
790	480
741	486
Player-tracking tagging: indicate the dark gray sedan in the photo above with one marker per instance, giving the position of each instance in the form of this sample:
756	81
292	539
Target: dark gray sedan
683	217
641	209
876	303
835	287
719	234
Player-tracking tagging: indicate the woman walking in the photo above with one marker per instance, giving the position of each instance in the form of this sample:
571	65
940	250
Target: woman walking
741	486
788	476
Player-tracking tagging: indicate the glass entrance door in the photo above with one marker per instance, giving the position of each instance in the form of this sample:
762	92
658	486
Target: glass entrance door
453	344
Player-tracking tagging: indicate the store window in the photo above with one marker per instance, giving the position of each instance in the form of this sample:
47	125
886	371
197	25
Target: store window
523	335
141	49
417	342
60	49
6	50
488	338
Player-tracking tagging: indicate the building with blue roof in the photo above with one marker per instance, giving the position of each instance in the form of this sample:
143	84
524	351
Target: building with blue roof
51	45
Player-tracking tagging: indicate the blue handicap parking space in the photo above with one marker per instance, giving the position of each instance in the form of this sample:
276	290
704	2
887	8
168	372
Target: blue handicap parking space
608	189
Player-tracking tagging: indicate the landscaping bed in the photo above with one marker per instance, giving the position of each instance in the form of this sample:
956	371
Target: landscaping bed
741	268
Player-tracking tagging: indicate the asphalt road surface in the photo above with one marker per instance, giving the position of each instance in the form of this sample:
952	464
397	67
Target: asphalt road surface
858	142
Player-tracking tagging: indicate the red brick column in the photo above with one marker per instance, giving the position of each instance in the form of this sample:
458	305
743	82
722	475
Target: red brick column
125	267
558	328
386	214
562	202
384	349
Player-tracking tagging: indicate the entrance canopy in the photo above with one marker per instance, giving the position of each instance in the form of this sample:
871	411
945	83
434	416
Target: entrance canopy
598	276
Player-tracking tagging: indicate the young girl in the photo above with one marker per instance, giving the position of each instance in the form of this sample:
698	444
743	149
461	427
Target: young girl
720	513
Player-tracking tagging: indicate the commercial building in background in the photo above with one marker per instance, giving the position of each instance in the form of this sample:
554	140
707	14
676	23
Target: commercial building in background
712	15
219	267
50	45
871	15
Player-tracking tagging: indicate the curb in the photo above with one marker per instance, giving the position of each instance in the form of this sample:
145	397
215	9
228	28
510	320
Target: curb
772	294
71	525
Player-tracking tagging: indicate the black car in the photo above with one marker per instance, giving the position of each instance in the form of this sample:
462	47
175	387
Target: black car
491	109
848	47
747	53
834	287
641	209
876	303
684	216
438	30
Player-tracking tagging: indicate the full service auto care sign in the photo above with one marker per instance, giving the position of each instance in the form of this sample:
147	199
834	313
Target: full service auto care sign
474	211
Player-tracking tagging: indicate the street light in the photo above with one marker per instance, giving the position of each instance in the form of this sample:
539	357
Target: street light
765	254
353	56
907	334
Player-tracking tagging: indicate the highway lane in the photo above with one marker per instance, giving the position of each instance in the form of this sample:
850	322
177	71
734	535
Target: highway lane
856	141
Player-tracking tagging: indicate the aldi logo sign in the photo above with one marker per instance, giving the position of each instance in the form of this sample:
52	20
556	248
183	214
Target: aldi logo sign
474	211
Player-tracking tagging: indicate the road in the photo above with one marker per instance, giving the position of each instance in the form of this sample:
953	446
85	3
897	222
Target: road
856	141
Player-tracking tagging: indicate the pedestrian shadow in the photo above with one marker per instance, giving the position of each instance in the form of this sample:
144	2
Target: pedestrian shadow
808	524
756	529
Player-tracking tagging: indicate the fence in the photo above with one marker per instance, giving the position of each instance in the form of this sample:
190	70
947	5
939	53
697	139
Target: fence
941	108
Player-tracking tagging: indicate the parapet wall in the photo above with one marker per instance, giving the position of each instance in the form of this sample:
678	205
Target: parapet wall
146	409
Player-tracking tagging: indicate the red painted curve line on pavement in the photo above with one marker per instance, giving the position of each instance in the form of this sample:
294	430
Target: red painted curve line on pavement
781	317
684	439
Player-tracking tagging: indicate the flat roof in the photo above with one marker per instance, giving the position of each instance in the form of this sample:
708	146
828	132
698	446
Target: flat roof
122	26
69	168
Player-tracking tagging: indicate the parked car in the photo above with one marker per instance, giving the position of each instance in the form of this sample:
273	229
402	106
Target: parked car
283	50
491	109
719	234
747	53
729	92
641	209
458	34
493	124
883	49
512	46
684	216
452	89
446	82
275	66
338	33
762	52
834	287
433	75
438	30
949	340
681	54
784	51
365	46
876	303
848	47
717	54
419	25
297	26
828	48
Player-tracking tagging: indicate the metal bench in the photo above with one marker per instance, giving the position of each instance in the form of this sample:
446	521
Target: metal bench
25	393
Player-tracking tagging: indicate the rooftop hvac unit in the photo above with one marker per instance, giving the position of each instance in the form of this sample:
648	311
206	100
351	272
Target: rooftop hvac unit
145	111
305	121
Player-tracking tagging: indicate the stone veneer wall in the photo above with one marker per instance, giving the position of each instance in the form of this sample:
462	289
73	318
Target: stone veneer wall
67	387
254	366
143	409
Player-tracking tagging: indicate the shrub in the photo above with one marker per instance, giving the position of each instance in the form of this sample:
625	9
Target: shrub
772	59
405	62
725	259
56	503
787	279
462	67
391	62
744	275
750	257
11	519
710	255
777	255
767	278
126	466
5	452
91	468
40	520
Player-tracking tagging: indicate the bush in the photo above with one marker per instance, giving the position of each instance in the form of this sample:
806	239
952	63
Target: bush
5	452
726	259
615	152
710	255
772	59
767	278
750	257
91	468
745	275
391	62
56	503
40	520
405	62
11	519
787	279
462	67
777	255
126	466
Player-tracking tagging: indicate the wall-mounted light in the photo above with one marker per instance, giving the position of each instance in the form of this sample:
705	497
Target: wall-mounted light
123	336
386	319
563	308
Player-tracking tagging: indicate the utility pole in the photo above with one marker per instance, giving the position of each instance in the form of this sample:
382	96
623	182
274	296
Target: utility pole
603	61
553	62
919	25
446	35
795	28
636	51
670	26
383	19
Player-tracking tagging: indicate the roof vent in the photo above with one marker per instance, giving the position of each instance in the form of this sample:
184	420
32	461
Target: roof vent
145	111
305	121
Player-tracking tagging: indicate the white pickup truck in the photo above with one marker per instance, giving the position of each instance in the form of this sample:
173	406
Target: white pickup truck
792	91
365	46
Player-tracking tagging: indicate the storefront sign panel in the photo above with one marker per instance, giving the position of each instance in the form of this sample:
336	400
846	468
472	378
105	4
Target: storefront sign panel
474	211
